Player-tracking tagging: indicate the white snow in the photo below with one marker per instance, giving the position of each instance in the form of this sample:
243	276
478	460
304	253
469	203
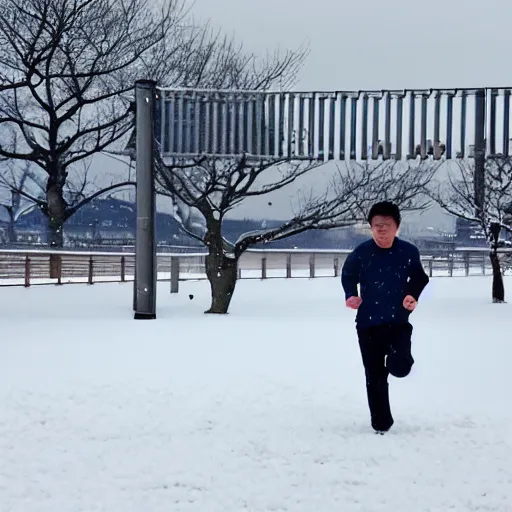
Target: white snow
261	410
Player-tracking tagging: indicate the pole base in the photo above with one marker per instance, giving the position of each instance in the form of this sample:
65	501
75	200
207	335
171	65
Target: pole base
144	316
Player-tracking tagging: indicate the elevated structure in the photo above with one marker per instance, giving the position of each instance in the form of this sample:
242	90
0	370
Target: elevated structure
184	124
343	125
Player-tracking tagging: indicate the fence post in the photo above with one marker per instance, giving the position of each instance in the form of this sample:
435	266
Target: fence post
123	269
91	271
55	266
288	266
431	266
466	262
175	274
312	266
336	267
263	268
451	263
483	263
27	272
59	276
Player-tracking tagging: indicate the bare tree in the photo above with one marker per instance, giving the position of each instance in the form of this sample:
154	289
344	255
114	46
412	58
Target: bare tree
213	188
65	69
458	194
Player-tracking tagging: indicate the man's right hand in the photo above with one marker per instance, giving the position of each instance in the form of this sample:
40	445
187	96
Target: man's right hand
353	302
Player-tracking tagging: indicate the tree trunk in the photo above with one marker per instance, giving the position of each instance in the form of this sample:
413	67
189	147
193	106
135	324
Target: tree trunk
57	207
222	272
498	288
55	235
11	229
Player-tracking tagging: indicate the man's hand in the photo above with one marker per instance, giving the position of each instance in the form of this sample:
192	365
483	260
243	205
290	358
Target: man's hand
410	303
353	302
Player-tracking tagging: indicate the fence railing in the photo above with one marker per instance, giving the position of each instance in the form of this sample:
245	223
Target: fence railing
35	267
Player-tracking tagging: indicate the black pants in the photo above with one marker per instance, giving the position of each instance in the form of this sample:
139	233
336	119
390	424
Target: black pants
393	341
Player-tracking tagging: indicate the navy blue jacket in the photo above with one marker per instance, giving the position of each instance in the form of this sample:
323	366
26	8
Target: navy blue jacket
385	277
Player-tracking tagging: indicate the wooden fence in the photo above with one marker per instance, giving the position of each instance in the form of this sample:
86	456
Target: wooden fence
35	267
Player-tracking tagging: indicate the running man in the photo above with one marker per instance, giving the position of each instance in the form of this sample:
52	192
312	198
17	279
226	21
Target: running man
391	279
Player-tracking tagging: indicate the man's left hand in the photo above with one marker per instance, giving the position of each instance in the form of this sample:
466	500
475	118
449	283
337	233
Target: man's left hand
410	303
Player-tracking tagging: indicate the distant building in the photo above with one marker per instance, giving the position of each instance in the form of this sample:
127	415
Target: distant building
469	233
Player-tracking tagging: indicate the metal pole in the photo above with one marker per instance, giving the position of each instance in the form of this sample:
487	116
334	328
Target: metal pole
479	177
145	243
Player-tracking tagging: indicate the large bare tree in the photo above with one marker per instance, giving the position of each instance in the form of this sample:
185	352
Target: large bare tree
486	204
68	67
212	188
65	69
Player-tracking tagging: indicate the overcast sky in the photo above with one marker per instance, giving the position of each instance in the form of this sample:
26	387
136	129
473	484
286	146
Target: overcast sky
374	45
370	44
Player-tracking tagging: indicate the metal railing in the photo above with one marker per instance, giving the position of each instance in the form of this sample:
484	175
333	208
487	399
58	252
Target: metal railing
37	267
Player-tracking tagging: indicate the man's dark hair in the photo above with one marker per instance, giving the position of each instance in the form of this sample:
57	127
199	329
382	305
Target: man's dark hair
386	209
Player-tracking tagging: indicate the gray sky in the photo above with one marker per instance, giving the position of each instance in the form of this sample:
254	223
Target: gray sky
379	45
395	44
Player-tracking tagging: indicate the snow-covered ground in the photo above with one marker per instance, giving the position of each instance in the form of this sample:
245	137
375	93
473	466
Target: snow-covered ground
261	410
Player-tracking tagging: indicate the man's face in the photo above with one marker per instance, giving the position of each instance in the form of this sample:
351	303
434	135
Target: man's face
384	230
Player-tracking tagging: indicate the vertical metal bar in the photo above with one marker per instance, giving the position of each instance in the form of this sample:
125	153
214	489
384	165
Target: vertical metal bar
449	125
437	126
311	128
353	128
249	126
479	177
235	125
163	122
197	124
423	127
266	124
231	124
300	134
145	246
224	125
492	128
242	116
463	113
187	124
506	122
263	125
364	129
258	136
375	129
255	124
272	125
207	123
321	127
291	131
387	128
343	120
399	126
179	125
332	114
281	100
172	124
215	125
412	125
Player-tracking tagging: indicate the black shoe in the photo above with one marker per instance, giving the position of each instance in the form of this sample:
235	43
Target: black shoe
380	430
